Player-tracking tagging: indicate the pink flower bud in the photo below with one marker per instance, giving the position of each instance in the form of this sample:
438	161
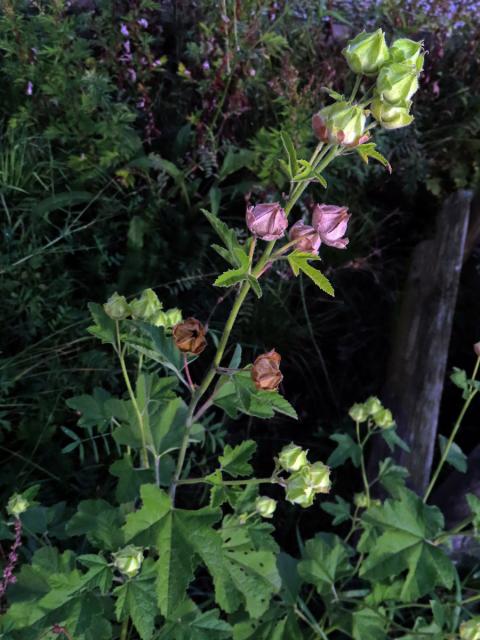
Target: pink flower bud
307	238
267	221
476	348
331	222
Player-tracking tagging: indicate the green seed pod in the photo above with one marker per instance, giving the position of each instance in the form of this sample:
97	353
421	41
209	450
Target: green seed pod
397	82
340	123
128	560
358	412
172	317
406	50
117	307
17	505
470	630
373	405
146	307
265	506
292	457
367	52
298	490
391	116
383	418
319	477
360	500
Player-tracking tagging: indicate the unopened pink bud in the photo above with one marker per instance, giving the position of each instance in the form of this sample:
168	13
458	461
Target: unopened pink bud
308	240
331	223
476	348
267	221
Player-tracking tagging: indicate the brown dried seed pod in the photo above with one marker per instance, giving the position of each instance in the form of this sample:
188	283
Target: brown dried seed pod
266	373
189	336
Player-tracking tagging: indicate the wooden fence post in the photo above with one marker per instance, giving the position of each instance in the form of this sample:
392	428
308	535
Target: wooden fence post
416	370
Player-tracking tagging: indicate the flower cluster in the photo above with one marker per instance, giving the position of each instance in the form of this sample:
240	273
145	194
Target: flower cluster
138	65
373	411
306	480
147	308
268	221
398	68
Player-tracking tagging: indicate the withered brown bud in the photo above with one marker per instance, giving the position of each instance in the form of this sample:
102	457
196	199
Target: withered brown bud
189	336
266	373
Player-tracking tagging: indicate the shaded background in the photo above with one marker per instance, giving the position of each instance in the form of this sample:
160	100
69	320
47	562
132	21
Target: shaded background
121	120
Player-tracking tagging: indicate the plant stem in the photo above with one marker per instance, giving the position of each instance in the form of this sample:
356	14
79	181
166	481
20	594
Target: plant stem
456	530
209	401
313	626
252	251
362	463
232	483
124	630
187	372
319	163
354	524
451	439
197	395
471	599
356	87
156	462
322	160
289	245
120	352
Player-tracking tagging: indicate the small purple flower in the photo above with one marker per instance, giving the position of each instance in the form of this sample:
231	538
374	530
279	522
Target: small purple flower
126	46
157	63
124	30
132	74
206	65
8	577
29	89
143	23
141	104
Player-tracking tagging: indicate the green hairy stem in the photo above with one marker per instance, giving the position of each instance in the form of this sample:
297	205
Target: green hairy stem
319	160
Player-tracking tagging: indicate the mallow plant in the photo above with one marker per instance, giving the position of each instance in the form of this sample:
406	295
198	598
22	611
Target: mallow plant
140	565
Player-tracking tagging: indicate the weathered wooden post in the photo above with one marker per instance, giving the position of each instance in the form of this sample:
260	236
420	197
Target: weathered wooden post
416	370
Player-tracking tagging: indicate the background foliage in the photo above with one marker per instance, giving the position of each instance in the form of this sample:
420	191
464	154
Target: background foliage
119	122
